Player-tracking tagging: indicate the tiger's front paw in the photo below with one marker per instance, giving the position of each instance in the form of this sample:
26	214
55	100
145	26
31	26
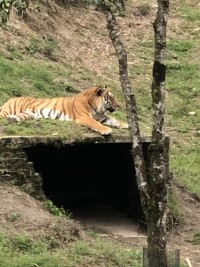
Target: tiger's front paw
12	118
105	131
123	125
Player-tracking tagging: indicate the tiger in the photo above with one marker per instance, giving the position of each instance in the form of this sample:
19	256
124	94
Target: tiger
87	108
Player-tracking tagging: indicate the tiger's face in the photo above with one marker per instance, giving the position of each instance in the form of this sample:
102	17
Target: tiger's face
106	101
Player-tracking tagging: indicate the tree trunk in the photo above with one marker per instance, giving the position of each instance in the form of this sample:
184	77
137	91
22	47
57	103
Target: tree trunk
152	183
131	109
156	219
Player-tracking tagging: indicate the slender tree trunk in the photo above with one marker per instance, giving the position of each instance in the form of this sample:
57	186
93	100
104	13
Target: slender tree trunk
156	218
131	109
153	188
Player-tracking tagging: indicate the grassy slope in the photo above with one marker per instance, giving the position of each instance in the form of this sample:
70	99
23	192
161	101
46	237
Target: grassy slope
75	52
183	94
22	250
72	51
42	58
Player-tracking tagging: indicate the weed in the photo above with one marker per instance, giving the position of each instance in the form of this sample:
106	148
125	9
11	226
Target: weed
14	52
49	205
81	248
51	45
23	243
52	242
144	9
196	238
36	5
180	46
175	212
33	46
91	233
14	217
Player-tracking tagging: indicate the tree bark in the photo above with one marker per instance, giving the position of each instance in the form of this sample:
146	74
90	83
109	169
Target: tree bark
158	169
152	182
131	109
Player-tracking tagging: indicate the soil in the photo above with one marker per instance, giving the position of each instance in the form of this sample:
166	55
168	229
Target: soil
82	44
182	236
20	213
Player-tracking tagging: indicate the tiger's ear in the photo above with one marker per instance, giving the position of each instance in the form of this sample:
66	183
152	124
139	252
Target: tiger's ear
100	91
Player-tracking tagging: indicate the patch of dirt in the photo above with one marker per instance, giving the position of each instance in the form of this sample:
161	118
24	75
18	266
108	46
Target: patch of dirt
181	236
110	223
81	35
22	214
106	219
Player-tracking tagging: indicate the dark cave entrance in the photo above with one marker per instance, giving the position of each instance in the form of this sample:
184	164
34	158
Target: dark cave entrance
81	177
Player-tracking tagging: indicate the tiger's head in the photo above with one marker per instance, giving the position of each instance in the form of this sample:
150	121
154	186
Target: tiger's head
104	100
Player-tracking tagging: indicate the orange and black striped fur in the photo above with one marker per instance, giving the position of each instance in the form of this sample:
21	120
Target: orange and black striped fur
86	108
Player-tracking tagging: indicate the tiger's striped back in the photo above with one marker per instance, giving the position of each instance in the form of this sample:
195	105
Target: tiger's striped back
35	108
86	108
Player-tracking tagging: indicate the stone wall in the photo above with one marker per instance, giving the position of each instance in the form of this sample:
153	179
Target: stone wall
16	169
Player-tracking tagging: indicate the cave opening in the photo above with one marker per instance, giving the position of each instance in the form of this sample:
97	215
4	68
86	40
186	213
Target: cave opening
84	177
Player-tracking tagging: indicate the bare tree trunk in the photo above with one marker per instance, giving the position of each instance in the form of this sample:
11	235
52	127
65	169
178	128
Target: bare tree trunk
153	186
158	172
131	109
158	186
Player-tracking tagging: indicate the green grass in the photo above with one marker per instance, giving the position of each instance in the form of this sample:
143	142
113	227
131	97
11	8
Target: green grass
174	208
35	72
30	77
40	78
191	13
182	101
48	46
50	206
43	127
23	251
179	46
185	165
22	73
183	79
196	239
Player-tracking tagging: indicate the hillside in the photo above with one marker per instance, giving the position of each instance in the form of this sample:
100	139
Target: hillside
59	49
32	236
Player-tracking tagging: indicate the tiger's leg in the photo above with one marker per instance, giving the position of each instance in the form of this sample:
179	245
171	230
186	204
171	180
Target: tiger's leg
94	125
110	121
25	115
4	114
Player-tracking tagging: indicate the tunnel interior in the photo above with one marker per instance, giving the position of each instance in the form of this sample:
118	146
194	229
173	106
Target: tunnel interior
84	176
